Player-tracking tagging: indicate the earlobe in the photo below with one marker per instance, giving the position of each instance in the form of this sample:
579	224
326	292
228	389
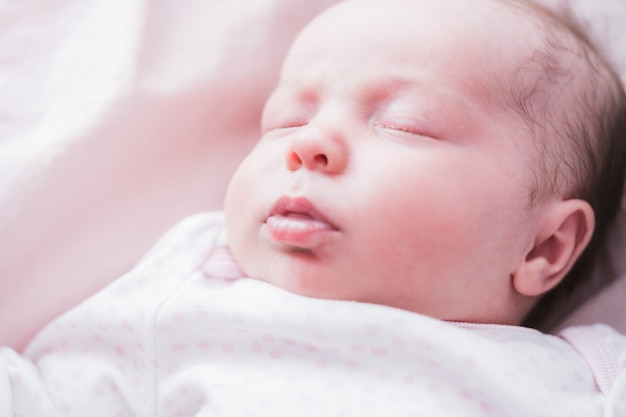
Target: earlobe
564	232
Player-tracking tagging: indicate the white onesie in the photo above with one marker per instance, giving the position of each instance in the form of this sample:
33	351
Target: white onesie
186	334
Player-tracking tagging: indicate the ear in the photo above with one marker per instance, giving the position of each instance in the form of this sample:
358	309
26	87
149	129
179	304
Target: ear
564	231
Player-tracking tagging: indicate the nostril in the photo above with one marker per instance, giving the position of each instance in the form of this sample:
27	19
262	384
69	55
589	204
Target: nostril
293	160
321	159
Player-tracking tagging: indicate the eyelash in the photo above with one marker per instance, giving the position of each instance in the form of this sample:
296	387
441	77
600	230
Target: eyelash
285	124
393	126
402	129
287	121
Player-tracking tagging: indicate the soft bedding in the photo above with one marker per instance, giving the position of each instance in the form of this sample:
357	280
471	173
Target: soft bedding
185	333
119	118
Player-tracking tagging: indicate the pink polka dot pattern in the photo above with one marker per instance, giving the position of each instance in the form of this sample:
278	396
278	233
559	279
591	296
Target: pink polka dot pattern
185	335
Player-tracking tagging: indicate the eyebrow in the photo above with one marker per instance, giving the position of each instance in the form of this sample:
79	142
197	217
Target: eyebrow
377	87
312	88
390	85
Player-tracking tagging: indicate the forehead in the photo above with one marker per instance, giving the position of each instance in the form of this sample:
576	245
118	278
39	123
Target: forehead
470	41
402	22
466	52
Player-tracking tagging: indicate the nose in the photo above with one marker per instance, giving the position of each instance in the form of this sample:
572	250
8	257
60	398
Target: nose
319	151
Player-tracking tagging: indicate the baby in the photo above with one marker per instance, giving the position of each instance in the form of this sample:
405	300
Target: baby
407	163
428	171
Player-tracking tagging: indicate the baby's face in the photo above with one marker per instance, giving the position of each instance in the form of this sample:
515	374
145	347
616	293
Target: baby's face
382	176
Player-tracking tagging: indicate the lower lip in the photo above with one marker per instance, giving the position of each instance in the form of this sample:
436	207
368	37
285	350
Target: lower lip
299	231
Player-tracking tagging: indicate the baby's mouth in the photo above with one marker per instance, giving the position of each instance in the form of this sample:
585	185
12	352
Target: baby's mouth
297	222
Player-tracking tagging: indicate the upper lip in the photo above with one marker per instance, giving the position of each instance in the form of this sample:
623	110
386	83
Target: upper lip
286	206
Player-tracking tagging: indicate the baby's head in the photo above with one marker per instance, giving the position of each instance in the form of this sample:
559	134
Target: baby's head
440	157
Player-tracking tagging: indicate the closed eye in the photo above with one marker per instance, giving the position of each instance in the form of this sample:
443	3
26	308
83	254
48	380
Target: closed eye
402	130
288	108
284	124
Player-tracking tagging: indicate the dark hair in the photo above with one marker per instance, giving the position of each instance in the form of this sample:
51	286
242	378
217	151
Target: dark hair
573	103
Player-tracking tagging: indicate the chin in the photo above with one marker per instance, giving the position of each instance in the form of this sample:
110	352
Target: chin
306	288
